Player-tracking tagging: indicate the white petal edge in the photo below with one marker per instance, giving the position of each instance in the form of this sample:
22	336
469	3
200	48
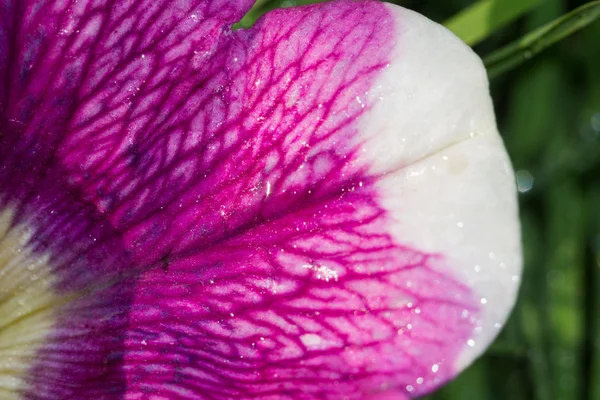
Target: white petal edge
447	183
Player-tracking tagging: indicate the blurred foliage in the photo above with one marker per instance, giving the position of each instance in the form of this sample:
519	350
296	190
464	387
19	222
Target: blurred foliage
528	46
480	19
548	110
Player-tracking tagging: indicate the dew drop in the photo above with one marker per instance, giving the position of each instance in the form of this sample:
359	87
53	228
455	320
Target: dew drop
311	340
524	181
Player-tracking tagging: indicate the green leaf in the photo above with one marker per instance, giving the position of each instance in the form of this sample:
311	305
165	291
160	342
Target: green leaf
533	43
483	18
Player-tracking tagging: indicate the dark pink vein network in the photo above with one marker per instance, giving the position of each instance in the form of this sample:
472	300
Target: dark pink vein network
202	190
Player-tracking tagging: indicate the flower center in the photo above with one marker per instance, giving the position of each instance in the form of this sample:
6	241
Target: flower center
27	302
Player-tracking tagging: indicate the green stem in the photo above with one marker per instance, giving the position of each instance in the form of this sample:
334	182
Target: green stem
509	57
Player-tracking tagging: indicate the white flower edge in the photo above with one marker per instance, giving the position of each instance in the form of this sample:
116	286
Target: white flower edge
447	183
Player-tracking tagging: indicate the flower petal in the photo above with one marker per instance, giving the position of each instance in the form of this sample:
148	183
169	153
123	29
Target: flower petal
230	214
448	185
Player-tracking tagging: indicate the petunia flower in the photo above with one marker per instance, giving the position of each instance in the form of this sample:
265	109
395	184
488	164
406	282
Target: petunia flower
319	207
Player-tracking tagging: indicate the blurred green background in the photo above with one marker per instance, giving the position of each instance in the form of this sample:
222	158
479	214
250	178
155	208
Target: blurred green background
548	110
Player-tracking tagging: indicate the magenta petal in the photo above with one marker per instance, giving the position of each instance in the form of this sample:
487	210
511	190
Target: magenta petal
319	303
215	233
